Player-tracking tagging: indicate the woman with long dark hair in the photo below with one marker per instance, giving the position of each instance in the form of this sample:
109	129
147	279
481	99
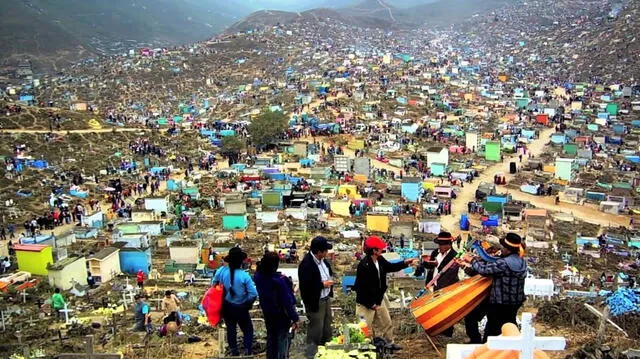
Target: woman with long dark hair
278	305
240	293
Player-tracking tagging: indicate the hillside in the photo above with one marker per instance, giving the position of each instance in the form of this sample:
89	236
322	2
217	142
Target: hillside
448	12
48	30
385	14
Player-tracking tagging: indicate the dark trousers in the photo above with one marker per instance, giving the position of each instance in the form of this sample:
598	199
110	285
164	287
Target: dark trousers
472	321
235	316
319	329
277	337
497	316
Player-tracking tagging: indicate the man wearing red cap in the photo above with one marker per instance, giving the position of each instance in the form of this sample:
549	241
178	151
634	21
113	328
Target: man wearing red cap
371	285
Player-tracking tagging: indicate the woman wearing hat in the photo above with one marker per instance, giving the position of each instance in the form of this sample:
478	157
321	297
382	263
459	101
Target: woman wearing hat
240	293
438	260
507	290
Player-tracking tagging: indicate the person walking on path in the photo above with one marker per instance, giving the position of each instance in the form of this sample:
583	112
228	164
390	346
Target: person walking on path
278	305
316	290
371	284
240	294
140	279
142	315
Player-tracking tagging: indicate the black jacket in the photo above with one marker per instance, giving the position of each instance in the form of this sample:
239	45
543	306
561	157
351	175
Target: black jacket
369	287
311	282
447	278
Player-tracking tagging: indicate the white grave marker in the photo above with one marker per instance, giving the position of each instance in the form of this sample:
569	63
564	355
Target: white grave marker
527	342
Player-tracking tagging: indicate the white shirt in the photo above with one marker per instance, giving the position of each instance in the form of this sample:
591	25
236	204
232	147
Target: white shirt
439	259
377	268
324	276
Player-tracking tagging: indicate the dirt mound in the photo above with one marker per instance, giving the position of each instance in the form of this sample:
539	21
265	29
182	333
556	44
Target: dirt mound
630	322
566	313
595	351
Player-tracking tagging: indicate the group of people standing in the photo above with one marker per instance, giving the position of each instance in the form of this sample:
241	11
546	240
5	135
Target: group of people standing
507	290
316	282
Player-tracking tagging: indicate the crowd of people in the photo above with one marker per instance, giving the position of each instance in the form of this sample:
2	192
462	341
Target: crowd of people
317	279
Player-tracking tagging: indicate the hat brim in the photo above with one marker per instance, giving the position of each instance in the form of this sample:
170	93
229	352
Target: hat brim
504	244
443	240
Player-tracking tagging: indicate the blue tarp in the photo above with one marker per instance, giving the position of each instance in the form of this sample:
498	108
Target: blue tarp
498	199
634	159
464	222
491	222
79	194
529	189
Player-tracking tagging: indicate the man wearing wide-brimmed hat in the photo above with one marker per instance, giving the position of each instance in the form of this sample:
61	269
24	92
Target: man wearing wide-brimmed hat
507	290
439	259
436	263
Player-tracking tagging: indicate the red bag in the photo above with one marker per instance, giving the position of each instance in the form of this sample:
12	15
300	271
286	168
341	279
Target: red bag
212	304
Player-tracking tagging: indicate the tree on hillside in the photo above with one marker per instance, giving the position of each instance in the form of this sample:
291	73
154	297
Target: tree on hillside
232	147
267	128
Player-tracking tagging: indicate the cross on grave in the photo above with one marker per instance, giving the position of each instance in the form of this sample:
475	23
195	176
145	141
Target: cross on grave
66	312
88	354
24	296
527	341
158	301
125	300
32	321
3	318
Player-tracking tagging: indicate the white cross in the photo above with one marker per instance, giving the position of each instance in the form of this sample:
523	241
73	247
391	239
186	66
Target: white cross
24	296
124	299
527	341
4	328
66	312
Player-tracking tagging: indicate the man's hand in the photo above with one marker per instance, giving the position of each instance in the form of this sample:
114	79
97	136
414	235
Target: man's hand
374	307
327	283
294	326
411	261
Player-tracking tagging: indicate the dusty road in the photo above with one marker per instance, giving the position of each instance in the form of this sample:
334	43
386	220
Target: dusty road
588	213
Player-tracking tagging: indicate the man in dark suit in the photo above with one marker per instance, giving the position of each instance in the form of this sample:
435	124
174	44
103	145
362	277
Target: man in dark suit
439	259
316	289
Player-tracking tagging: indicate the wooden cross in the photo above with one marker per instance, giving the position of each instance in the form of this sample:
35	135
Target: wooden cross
604	319
88	354
527	342
2	317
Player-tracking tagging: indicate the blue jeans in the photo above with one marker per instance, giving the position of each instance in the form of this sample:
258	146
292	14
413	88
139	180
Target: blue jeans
277	337
237	315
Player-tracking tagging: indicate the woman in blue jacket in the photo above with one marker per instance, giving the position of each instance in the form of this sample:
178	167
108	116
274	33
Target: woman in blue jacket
240	294
275	292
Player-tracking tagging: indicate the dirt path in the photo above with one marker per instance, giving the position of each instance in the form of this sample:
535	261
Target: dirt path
588	213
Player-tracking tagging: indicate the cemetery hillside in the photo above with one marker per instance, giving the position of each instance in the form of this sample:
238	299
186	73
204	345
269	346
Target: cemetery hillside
329	179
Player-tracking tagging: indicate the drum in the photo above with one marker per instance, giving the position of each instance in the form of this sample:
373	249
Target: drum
442	309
